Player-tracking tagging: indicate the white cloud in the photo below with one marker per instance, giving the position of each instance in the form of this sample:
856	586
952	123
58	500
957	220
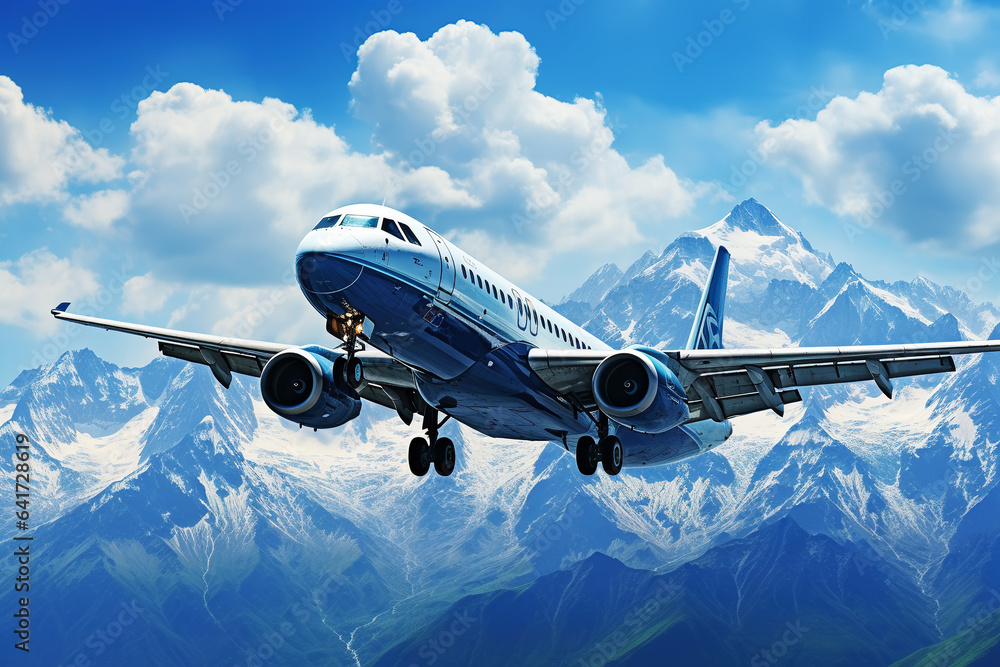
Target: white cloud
144	294
97	211
41	156
228	188
545	170
987	78
918	158
274	313
36	282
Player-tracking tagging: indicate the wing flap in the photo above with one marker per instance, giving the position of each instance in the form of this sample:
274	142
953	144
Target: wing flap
733	406
736	383
568	372
704	361
238	363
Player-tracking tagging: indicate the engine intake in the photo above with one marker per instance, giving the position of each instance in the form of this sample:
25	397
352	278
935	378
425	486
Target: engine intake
637	389
306	386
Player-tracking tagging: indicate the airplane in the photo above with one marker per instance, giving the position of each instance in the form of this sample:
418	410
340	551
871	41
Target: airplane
427	330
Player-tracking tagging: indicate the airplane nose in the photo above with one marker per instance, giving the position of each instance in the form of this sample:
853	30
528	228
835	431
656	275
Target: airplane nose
324	273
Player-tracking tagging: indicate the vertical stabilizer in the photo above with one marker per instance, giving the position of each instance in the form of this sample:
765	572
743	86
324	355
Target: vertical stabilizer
706	333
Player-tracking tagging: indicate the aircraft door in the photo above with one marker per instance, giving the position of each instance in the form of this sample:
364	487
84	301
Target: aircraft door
532	317
522	313
448	274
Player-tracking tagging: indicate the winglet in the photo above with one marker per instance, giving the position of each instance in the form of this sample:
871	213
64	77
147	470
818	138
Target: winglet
61	308
706	333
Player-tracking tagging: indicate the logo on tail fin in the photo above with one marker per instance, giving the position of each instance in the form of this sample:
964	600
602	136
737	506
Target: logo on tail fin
709	337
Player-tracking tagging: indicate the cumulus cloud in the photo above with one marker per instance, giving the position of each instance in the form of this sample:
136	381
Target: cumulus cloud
39	280
41	156
144	294
216	193
464	100
228	188
98	210
917	158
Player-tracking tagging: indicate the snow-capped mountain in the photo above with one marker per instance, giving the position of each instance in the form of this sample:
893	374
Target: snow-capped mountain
218	518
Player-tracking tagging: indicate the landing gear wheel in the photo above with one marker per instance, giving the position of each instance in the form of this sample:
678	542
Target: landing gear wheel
586	455
444	457
419	457
611	454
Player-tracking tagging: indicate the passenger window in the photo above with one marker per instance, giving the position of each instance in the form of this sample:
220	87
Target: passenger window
479	279
550	326
370	221
487	287
328	221
495	296
464	274
390	227
410	236
564	335
503	298
472	278
520	309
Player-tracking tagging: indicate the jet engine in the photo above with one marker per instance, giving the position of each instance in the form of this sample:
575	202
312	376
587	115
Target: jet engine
306	385
636	388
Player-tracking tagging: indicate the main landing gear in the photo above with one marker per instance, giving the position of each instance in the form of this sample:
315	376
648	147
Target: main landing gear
607	450
439	451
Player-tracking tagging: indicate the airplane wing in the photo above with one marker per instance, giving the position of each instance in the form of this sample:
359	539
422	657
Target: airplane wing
723	383
225	356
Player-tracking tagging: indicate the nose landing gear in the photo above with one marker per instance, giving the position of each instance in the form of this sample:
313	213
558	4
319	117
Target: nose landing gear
439	451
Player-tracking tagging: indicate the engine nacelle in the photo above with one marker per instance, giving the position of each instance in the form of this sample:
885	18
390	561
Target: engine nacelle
636	388
305	385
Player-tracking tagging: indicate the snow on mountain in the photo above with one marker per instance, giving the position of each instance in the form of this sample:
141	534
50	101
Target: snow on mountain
763	249
597	286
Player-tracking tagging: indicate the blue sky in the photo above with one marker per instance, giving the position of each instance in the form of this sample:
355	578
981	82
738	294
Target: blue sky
159	164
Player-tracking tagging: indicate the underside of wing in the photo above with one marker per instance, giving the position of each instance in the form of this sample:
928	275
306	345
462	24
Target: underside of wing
724	383
728	382
389	382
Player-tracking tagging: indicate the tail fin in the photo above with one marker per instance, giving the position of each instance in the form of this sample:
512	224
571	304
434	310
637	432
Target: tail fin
706	333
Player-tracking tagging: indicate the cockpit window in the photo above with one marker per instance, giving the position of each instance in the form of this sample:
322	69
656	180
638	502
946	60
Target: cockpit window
390	227
410	236
360	221
328	221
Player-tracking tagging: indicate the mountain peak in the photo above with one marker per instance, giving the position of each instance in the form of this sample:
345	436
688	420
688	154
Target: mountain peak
752	216
597	286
